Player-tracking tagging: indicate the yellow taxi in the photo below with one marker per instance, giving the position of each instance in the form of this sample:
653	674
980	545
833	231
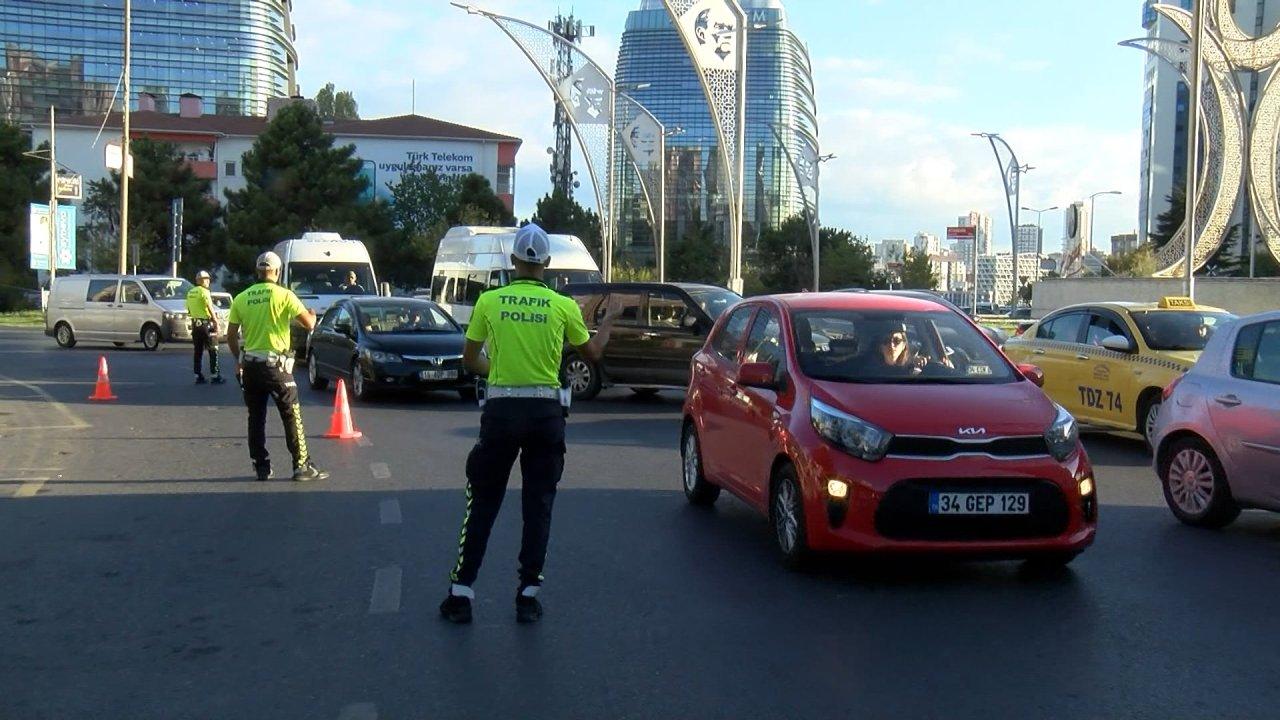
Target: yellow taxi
1108	363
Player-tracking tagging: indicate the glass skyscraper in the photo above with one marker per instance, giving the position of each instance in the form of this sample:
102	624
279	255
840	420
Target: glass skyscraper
234	54
654	68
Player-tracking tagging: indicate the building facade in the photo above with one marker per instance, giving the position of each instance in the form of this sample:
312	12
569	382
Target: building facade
982	236
926	243
214	146
996	277
1124	243
890	254
1030	239
69	54
654	68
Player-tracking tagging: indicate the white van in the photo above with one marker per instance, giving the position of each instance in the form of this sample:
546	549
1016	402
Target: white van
471	260
119	309
317	266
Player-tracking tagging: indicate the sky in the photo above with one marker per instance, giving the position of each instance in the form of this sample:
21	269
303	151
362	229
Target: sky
901	84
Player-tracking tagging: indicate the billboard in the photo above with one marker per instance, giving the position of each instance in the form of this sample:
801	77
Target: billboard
965	233
66	249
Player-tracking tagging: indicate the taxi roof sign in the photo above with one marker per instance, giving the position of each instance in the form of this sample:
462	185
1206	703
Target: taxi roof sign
1174	302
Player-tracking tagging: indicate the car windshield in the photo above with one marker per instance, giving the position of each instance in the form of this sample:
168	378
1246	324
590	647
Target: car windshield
331	278
174	289
714	301
222	302
1179	329
557	279
886	347
404	317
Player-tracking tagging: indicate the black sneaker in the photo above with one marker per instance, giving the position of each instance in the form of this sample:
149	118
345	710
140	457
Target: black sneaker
309	472
456	609
217	380
263	471
200	380
528	609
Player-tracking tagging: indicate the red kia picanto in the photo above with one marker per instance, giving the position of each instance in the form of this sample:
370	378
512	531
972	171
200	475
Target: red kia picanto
880	423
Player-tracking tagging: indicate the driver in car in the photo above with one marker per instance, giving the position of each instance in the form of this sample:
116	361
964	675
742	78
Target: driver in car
894	351
352	285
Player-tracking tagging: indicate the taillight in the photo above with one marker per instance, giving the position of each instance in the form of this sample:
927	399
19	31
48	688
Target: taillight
1168	389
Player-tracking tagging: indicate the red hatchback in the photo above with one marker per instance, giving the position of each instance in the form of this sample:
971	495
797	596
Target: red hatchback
881	423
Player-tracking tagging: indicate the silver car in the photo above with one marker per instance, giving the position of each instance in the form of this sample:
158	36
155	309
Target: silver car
1217	438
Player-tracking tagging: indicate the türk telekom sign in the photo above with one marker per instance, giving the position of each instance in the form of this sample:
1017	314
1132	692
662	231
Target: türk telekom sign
385	161
961	232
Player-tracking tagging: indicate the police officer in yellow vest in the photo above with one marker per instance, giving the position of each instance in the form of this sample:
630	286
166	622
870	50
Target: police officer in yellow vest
526	325
204	328
265	366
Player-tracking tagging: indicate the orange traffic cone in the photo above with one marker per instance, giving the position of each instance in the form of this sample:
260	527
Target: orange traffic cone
102	390
340	426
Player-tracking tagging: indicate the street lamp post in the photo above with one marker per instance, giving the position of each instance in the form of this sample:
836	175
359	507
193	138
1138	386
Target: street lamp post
125	165
1092	199
1011	178
1039	228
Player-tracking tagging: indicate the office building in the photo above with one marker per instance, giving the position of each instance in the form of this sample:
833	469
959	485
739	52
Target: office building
1124	243
890	254
982	236
654	68
927	243
1075	228
996	277
1030	239
233	54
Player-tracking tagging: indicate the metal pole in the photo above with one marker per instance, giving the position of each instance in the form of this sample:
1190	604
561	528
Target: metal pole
661	223
1016	300
1193	147
53	200
740	150
124	143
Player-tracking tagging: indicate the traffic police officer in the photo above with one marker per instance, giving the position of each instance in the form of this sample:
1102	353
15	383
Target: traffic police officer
526	325
265	366
204	327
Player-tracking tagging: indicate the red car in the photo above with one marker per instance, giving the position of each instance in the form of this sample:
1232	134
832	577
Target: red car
881	423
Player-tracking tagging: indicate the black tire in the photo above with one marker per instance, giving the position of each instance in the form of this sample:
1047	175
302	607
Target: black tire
1148	411
786	515
468	394
314	378
151	337
697	490
118	344
645	392
63	334
584	377
360	390
1195	485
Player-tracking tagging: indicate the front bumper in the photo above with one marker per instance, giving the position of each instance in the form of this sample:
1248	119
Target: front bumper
176	329
886	507
407	375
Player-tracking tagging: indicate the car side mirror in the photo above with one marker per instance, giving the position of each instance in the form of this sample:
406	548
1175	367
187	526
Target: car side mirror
345	329
1032	373
1119	343
689	322
758	375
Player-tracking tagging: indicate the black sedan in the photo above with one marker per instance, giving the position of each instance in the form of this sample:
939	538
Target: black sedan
388	343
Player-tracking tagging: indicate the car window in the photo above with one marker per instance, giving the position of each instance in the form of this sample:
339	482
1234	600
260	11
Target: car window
871	346
477	282
1064	328
1179	329
1102	327
437	288
342	317
398	317
168	288
729	338
103	291
714	301
327	320
764	344
1257	353
131	292
629	305
667	310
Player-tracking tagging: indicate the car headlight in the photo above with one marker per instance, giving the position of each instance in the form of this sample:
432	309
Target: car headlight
175	316
1063	435
854	435
382	357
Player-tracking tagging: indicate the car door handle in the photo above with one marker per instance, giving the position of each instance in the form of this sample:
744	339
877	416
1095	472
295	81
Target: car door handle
1227	400
1038	351
1082	356
649	335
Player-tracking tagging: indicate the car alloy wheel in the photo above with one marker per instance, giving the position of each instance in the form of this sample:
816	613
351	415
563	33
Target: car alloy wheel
313	374
579	375
357	382
151	337
1191	481
1149	422
64	336
696	487
786	518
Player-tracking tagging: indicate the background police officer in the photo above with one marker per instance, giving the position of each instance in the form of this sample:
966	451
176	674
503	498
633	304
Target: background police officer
265	366
526	325
204	328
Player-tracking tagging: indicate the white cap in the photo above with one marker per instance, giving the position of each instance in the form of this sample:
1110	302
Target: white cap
269	260
532	245
203	275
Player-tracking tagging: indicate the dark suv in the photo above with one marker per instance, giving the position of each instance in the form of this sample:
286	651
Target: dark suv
661	327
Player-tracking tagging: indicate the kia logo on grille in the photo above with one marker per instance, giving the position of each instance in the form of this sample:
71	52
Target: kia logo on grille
966	431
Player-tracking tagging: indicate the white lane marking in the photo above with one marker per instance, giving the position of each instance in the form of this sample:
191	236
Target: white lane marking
386	591
359	711
73	421
389	512
364	441
380	471
29	486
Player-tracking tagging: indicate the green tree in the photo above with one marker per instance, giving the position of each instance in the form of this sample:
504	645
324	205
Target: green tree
698	257
477	204
422	201
784	259
848	261
160	174
336	105
297	181
23	180
1168	222
917	271
1140	262
559	213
